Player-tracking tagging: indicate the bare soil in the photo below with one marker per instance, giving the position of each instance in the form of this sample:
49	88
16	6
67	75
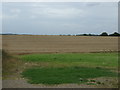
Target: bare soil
25	44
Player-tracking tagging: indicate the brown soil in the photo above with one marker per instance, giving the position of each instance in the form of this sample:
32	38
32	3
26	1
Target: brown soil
26	44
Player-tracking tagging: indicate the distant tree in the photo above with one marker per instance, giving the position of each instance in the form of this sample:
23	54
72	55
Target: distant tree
115	34
104	34
69	35
85	35
89	34
78	34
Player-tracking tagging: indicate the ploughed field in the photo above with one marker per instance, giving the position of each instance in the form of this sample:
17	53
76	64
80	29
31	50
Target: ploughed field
21	44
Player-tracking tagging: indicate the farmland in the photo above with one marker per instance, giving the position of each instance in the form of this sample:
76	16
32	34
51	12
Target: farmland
52	59
21	44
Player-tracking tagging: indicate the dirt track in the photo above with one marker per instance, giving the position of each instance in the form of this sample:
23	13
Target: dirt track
58	44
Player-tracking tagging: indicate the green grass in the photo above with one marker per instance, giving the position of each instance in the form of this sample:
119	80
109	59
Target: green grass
64	75
69	67
81	59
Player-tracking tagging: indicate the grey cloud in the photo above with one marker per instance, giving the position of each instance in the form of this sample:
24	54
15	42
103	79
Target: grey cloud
60	18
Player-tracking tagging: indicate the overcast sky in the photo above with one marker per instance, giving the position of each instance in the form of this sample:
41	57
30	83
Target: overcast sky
59	18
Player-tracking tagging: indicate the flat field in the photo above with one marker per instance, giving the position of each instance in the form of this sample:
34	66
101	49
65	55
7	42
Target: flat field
21	44
90	61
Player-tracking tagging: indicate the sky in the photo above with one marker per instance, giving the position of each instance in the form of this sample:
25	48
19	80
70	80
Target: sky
55	18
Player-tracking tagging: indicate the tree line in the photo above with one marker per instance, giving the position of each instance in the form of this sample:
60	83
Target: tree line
106	34
102	34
